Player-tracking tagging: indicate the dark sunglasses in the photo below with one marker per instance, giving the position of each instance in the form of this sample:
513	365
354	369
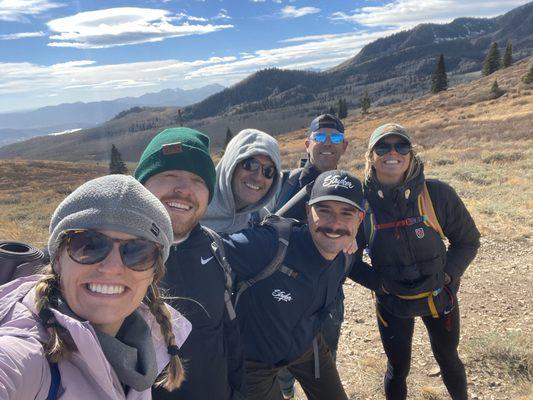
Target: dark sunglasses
383	148
251	164
91	247
334	137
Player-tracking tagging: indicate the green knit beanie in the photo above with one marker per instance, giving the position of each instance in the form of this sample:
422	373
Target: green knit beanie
181	149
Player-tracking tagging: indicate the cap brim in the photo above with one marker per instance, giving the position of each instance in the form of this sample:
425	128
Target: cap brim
335	198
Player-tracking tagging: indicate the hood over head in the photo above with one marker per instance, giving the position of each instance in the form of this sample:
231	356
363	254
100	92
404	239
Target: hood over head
221	214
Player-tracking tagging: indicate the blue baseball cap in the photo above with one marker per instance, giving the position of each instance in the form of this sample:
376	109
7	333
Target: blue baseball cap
326	121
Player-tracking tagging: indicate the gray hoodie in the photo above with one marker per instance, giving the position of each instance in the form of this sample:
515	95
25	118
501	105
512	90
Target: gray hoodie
221	215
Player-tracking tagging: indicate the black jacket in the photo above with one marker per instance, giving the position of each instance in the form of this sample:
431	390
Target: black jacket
414	258
281	315
212	354
291	185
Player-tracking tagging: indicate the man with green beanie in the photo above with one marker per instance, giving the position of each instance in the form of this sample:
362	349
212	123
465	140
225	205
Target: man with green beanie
177	168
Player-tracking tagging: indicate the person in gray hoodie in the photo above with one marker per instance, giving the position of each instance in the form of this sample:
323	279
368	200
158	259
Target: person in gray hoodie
248	177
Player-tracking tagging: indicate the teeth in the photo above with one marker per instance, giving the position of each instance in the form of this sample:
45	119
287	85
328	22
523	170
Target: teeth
392	162
179	206
106	289
328	153
332	235
251	186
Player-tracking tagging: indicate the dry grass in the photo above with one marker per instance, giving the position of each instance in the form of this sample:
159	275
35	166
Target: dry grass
483	148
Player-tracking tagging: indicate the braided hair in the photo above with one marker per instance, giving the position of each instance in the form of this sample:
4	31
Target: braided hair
60	344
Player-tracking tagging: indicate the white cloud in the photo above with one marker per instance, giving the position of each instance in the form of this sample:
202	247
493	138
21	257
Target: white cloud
293	12
18	10
122	26
408	13
87	81
21	35
222	14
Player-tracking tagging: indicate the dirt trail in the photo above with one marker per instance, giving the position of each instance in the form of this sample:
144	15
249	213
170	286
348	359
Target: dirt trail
495	299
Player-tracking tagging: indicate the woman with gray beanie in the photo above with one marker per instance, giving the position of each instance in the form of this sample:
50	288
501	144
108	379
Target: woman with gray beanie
93	325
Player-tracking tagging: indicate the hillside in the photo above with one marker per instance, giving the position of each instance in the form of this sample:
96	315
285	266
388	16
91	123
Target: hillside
484	148
18	126
391	69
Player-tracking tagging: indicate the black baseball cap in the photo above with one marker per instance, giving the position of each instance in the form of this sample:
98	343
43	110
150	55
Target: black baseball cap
337	185
326	121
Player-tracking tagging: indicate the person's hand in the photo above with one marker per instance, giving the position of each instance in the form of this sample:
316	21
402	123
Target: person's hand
351	248
447	279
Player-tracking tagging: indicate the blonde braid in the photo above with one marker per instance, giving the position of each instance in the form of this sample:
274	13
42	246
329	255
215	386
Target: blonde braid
60	345
174	374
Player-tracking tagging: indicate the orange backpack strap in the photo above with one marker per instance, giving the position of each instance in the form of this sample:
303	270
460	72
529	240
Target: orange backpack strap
425	206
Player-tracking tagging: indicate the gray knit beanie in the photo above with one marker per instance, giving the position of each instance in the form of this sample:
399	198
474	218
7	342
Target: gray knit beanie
113	202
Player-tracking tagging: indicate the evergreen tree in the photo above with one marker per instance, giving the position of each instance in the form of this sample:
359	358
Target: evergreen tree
229	136
116	164
495	90
492	61
180	117
343	109
365	103
331	110
439	79
528	78
508	56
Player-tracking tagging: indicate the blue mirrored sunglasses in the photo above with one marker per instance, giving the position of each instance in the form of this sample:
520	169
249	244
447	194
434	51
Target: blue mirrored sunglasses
334	137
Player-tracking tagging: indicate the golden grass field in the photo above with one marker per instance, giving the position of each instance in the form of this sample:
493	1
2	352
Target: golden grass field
483	148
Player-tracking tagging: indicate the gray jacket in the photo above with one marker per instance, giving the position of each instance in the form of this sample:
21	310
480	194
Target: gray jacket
221	215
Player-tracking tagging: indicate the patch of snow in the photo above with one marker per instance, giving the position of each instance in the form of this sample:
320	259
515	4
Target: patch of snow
65	132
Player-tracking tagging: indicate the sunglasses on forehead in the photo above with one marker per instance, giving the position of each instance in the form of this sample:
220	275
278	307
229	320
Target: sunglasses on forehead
334	137
252	164
91	247
382	148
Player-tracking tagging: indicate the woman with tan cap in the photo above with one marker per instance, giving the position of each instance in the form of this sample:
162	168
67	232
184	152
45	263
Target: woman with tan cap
413	273
93	325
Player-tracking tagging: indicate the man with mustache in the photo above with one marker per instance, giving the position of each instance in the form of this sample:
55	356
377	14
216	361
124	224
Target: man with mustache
325	145
280	316
176	167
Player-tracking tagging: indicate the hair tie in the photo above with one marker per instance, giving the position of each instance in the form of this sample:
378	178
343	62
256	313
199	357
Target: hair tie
173	350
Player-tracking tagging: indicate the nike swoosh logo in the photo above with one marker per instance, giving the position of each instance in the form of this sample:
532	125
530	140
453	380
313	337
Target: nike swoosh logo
206	260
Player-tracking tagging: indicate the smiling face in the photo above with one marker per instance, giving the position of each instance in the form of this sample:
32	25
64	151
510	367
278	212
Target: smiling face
333	225
104	293
325	156
249	187
392	166
184	195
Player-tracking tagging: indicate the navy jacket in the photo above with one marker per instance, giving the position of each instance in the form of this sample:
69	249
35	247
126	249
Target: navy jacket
212	354
281	315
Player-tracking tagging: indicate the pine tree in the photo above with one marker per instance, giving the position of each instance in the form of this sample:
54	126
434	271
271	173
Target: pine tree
180	117
229	136
495	90
343	109
528	78
365	103
116	164
439	79
331	110
492	61
508	56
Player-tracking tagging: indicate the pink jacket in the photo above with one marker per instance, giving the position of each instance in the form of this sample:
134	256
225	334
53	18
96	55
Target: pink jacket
24	369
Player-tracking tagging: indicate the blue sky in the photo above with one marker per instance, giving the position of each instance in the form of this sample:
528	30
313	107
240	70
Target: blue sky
55	51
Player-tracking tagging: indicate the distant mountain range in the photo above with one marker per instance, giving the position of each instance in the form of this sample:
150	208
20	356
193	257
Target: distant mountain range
17	126
391	69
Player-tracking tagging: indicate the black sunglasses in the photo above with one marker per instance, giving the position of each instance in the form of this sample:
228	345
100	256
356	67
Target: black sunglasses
252	164
383	148
91	247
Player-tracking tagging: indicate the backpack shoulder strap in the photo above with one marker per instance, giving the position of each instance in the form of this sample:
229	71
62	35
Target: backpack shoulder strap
217	249
55	381
369	224
283	227
425	206
289	186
